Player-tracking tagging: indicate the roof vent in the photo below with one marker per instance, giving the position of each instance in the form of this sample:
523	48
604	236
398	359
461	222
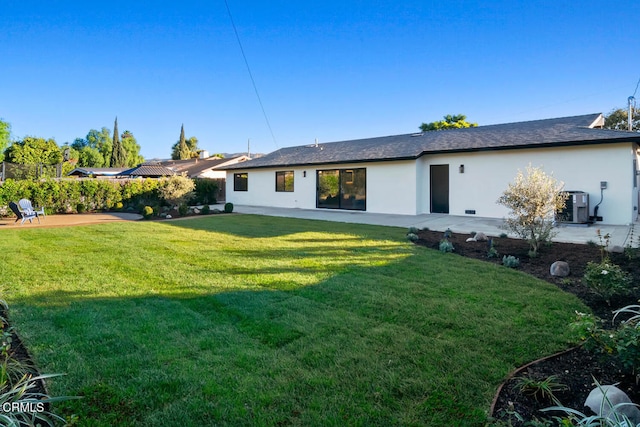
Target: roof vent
417	134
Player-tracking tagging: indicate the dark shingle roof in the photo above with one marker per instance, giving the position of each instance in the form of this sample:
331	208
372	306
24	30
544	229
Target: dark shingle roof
576	130
149	170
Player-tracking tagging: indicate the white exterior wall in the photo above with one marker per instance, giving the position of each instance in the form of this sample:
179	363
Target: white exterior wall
487	174
391	187
213	174
403	187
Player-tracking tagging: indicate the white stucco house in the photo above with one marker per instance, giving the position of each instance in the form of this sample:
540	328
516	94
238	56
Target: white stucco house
458	172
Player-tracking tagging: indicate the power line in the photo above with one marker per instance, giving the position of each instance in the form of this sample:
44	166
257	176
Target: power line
255	88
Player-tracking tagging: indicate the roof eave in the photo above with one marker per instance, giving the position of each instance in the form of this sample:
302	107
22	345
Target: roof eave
335	162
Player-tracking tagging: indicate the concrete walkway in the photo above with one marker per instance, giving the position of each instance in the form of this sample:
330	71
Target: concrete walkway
620	234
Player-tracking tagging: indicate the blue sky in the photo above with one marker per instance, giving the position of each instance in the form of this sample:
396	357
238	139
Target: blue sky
332	70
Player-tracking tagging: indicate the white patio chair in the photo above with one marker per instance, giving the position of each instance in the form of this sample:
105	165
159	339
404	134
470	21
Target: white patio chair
25	205
22	214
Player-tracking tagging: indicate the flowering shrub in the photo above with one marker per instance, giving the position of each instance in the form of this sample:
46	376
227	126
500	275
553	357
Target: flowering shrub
606	279
623	343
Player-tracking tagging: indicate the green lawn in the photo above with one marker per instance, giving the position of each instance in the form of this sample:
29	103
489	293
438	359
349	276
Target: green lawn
248	320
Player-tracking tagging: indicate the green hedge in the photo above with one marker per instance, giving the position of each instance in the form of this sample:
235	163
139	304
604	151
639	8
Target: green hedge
64	196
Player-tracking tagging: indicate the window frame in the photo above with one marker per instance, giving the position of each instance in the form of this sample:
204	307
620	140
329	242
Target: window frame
241	181
281	186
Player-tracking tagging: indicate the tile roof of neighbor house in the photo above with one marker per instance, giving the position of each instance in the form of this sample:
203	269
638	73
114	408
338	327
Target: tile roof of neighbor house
149	170
576	130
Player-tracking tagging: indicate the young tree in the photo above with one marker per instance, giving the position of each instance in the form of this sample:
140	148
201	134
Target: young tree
457	121
192	145
131	149
118	155
184	152
101	141
534	200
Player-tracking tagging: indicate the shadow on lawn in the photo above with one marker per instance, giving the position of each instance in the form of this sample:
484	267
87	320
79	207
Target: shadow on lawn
382	337
271	226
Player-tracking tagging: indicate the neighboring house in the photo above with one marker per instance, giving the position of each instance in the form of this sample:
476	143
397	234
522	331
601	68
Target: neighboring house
88	172
144	170
148	170
211	167
458	171
207	168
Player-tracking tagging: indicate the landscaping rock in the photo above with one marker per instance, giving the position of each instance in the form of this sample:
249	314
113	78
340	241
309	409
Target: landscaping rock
196	211
168	217
559	269
480	237
471	239
216	211
616	249
614	396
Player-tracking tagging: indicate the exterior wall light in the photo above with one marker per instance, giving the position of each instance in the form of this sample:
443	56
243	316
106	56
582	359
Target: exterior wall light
461	168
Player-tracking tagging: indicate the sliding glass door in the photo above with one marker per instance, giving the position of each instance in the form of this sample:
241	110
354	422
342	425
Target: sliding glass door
342	189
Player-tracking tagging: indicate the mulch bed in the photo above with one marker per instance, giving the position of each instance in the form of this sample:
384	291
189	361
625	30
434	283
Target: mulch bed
577	367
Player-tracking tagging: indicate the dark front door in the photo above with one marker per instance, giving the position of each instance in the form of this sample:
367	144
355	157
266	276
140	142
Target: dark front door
439	183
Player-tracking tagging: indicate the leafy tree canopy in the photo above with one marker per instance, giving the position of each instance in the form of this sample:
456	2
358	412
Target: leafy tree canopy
131	149
31	150
192	146
450	122
618	119
95	149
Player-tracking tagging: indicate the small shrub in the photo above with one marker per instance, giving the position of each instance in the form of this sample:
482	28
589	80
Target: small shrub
147	212
607	279
412	237
492	252
503	235
81	208
206	210
183	209
446	246
119	206
510	261
623	343
533	201
413	230
228	207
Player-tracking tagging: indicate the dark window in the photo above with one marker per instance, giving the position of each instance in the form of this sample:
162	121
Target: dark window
284	181
240	181
342	189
